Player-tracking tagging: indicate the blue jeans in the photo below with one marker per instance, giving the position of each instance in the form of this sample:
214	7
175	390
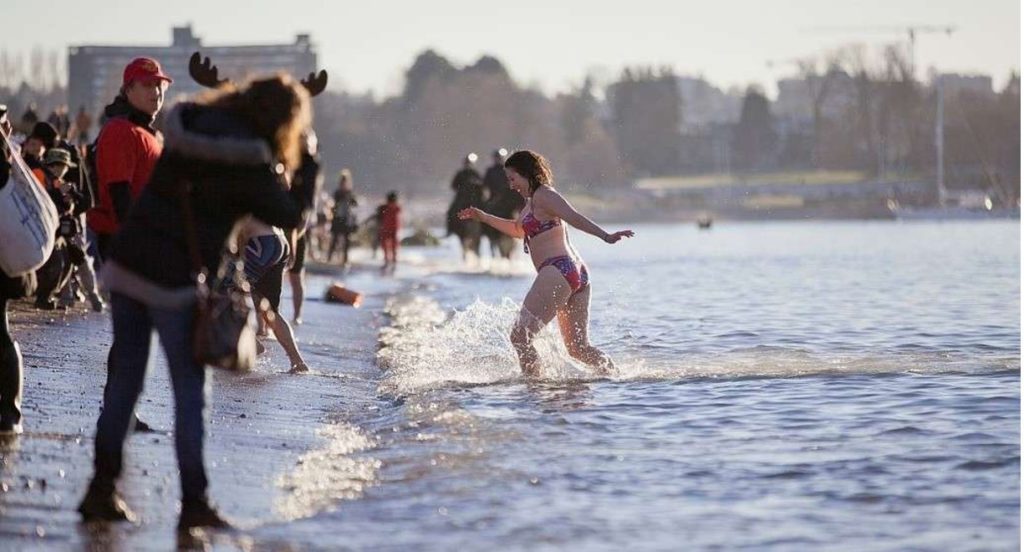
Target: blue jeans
134	323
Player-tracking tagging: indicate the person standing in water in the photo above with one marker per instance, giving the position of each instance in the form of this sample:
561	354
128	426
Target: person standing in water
389	221
562	287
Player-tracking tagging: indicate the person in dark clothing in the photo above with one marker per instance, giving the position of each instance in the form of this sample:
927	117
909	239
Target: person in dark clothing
494	179
343	219
60	120
502	202
56	272
468	187
469	192
42	137
29	118
83	124
68	188
228	157
80	188
11	287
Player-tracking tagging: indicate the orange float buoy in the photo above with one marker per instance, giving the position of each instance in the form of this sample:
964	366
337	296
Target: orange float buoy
338	293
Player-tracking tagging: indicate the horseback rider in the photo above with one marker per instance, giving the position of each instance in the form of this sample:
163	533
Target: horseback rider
502	202
469	191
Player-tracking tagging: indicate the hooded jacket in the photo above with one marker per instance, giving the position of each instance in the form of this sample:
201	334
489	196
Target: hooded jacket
215	162
127	150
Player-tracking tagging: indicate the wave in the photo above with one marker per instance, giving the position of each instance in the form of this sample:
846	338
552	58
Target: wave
426	347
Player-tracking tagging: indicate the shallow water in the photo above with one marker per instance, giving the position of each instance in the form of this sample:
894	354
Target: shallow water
789	385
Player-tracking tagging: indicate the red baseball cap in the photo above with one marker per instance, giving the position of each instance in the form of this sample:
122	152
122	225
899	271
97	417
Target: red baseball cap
143	68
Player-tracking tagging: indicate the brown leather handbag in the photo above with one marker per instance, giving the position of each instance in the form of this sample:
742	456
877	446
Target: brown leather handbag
224	335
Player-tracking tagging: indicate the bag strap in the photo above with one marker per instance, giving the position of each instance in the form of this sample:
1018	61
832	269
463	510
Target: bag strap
191	236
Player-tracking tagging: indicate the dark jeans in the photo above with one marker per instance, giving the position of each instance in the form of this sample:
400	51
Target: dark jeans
10	370
10	354
102	243
134	323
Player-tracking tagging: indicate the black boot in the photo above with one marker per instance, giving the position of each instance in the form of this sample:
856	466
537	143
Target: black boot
102	502
9	427
200	514
142	427
10	388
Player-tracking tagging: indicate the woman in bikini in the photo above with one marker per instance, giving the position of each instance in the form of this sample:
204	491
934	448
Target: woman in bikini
562	287
266	258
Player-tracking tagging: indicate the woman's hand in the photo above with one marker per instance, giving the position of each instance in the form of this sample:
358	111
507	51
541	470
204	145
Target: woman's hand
614	237
470	213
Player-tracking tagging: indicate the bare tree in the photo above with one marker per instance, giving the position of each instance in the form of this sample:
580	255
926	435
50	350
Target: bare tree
819	82
854	60
37	61
53	67
11	65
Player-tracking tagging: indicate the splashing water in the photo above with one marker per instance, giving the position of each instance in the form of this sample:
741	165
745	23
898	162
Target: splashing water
426	348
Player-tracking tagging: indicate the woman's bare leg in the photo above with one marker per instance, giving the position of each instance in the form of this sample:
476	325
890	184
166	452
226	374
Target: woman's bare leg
297	279
549	292
574	321
286	338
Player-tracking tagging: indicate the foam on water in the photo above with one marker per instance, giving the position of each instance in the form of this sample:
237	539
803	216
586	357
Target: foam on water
426	347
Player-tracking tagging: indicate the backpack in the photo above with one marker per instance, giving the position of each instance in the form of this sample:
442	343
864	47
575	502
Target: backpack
91	174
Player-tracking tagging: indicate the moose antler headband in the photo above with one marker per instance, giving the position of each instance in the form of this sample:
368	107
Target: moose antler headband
204	72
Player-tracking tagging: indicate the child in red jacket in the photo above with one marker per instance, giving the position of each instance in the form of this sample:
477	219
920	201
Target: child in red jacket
389	223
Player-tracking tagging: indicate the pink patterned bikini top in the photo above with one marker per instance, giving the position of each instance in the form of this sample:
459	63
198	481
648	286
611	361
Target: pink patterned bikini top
533	227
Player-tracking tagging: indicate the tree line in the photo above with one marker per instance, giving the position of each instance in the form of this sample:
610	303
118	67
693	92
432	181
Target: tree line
853	112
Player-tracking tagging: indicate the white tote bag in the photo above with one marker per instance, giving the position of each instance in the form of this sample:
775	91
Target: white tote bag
28	219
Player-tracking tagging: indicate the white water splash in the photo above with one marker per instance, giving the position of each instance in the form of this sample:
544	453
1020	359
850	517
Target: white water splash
427	348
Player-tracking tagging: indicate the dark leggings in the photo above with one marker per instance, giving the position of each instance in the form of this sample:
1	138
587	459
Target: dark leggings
346	241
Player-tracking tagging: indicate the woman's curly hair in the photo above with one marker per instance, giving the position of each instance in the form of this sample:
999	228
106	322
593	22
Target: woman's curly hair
277	109
533	167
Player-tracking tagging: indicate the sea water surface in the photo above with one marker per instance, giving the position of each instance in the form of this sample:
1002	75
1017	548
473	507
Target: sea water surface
799	385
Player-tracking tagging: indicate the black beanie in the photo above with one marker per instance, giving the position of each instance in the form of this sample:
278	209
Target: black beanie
45	133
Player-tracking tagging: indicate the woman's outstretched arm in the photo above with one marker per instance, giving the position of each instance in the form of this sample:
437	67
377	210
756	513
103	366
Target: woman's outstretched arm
553	202
503	225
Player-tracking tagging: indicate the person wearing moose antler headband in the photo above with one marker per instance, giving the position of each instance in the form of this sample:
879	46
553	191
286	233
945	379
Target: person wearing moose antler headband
226	156
267	249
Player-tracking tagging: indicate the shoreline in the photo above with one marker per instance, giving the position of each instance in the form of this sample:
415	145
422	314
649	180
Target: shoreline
268	434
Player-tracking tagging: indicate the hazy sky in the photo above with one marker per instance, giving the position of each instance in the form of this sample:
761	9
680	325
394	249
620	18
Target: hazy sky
550	43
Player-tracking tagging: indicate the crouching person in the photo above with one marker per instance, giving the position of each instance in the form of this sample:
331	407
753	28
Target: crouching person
228	156
56	273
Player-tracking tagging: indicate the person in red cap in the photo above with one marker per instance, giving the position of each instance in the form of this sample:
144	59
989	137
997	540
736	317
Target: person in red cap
127	150
128	147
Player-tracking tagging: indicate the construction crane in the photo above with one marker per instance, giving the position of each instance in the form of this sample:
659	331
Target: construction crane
911	31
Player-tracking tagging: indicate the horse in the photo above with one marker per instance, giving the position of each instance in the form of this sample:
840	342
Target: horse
505	204
468	193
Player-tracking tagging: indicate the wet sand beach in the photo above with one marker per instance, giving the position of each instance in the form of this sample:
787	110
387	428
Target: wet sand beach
277	447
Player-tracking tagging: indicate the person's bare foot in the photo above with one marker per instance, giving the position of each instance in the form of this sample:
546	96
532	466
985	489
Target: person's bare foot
605	368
